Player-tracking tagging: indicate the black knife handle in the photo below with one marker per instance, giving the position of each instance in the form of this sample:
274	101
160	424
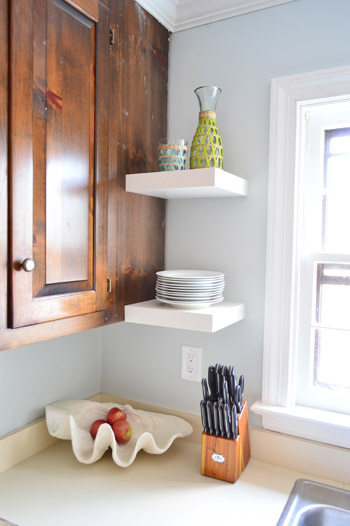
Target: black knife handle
238	398
232	371
209	418
218	369
212	383
204	416
241	383
232	386
216	418
226	394
227	421
221	419
205	389
234	422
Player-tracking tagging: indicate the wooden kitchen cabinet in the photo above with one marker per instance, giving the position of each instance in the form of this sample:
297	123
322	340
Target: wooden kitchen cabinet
73	120
59	158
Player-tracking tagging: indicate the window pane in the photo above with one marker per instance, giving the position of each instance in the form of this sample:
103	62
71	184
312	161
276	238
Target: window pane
332	358
323	302
333	295
339	144
337	212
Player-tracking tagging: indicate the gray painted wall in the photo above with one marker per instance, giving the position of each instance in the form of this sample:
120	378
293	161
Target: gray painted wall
241	55
38	374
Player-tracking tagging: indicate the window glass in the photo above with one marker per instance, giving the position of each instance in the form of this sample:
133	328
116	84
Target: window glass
336	209
333	296
332	359
331	334
323	315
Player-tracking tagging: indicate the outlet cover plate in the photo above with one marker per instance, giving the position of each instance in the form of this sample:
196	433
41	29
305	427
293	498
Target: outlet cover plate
191	365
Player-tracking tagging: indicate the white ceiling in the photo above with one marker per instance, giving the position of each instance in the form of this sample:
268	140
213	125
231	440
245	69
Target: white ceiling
177	15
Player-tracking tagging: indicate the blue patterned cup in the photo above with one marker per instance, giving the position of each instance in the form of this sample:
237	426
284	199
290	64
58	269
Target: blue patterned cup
172	154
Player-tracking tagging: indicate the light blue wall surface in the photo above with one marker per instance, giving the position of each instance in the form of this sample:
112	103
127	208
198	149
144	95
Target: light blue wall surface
241	55
38	374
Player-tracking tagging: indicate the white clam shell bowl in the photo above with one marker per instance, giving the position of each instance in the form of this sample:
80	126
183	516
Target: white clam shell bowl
152	432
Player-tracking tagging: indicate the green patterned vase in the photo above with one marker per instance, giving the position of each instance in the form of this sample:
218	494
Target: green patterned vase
206	149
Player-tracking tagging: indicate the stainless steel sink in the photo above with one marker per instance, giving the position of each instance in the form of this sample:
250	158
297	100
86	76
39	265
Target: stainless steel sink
314	504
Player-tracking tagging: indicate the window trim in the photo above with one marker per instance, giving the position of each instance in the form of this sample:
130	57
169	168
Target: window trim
277	408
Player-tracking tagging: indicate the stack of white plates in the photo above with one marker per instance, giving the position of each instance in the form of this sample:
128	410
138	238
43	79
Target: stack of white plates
191	289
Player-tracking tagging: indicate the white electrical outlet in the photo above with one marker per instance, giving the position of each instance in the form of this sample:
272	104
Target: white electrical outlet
191	368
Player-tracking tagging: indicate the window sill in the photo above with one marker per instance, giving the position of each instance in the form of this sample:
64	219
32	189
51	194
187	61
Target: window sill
305	422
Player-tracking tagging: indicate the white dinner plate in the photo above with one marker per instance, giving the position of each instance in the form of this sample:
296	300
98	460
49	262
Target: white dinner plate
184	295
194	284
198	290
189	274
191	280
189	305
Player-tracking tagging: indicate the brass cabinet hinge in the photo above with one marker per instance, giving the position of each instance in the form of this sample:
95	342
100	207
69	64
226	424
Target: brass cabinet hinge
109	285
111	37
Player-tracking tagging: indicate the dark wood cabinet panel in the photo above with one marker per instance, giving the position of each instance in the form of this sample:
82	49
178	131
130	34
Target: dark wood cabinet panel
3	164
54	55
138	119
76	115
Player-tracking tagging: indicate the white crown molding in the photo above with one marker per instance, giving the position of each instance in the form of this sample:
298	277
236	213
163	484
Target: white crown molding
163	10
178	15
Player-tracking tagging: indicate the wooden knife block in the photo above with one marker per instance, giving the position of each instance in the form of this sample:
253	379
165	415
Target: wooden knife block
224	458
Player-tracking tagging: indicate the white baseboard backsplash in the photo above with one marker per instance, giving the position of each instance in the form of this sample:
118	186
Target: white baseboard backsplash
287	452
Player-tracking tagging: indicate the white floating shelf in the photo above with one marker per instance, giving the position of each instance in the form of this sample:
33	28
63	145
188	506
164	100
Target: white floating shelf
211	319
184	184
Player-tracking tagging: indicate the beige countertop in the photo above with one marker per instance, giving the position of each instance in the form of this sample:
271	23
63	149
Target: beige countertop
52	488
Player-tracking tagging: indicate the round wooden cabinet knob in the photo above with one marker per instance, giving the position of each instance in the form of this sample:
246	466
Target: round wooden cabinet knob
28	265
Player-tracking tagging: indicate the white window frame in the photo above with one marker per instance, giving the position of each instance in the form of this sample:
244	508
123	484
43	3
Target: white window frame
278	408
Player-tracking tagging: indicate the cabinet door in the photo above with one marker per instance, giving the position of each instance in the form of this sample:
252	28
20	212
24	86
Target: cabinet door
59	152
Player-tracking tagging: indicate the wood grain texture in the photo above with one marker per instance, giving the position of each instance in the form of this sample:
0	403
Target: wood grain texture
90	8
131	103
235	454
3	162
103	104
12	338
70	143
54	175
243	431
138	119
231	467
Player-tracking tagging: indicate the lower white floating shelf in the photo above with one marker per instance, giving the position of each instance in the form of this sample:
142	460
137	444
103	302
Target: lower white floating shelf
211	319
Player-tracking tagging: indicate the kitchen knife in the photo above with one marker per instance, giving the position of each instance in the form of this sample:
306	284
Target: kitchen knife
227	421
212	383
221	419
218	368
226	394
205	389
216	418
209	418
204	417
241	383
234	422
222	381
232	387
232	370
238	398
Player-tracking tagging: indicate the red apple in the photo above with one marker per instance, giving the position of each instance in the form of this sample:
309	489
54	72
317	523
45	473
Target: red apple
122	431
95	426
114	415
